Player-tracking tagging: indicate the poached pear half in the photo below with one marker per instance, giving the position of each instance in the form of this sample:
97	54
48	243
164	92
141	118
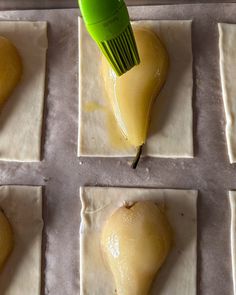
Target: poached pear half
6	239
133	94
135	242
10	69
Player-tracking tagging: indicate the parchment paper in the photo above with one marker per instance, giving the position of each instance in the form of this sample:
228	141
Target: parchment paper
62	173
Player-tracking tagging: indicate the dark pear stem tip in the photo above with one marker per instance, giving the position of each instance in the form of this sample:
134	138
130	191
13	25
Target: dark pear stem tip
136	159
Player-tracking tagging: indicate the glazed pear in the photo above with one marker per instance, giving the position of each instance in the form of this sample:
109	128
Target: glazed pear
10	69
135	242
6	239
133	94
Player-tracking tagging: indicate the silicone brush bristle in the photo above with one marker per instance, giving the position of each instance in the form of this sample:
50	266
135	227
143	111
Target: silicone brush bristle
121	51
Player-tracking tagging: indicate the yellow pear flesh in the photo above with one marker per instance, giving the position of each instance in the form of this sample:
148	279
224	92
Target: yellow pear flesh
135	242
6	239
10	69
133	93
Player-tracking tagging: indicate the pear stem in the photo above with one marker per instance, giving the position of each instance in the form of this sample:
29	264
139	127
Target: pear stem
138	155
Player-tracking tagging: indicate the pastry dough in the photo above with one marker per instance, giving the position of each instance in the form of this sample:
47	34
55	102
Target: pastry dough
22	273
171	125
179	270
227	41
21	117
232	199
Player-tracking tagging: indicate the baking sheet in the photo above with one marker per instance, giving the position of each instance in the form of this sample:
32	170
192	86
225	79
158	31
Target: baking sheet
62	173
52	4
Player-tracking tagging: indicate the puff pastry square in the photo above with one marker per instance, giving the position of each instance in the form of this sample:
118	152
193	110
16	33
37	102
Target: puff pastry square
22	116
227	41
23	207
179	270
232	199
170	133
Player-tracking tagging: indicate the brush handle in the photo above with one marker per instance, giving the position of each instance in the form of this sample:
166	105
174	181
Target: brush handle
104	19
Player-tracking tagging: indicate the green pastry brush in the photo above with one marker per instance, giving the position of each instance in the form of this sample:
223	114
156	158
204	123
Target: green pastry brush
107	21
